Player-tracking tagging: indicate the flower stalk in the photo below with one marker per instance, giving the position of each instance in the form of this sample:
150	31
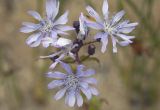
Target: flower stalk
53	32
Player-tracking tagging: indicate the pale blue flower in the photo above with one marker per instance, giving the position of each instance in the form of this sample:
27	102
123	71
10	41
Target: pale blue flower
72	84
114	27
47	30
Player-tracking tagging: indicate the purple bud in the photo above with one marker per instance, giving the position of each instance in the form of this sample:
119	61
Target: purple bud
79	45
76	25
54	58
99	39
91	49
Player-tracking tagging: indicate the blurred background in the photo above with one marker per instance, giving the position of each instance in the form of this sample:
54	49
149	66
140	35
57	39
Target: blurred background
128	80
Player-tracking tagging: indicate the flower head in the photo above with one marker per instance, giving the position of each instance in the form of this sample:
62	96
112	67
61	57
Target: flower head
114	27
65	47
47	30
72	84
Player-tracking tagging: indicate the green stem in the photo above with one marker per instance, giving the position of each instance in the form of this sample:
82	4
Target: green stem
77	58
91	42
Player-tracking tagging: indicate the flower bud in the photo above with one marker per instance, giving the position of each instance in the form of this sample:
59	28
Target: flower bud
99	39
54	58
79	44
91	49
76	26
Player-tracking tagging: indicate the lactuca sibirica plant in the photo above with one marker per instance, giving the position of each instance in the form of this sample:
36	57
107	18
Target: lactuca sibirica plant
51	31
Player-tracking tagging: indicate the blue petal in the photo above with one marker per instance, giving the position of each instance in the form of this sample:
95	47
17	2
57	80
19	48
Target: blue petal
47	41
126	30
31	25
114	41
123	43
71	99
66	98
54	35
94	25
105	9
93	13
131	24
66	67
60	94
56	74
35	14
64	28
82	24
55	83
53	65
87	93
88	73
94	91
80	70
90	80
27	29
34	40
84	85
125	37
52	8
63	19
104	41
117	17
79	100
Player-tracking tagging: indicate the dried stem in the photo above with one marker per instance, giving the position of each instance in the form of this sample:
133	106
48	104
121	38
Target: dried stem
77	58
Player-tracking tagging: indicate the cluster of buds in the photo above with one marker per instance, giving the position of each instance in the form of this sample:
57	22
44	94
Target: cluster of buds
52	32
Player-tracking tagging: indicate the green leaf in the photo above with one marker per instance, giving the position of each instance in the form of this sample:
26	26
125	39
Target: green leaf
94	59
84	58
95	104
89	58
69	60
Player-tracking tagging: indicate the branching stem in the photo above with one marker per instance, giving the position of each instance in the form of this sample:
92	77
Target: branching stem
91	42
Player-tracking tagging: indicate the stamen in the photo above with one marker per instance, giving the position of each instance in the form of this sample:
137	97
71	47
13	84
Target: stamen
47	26
109	28
71	82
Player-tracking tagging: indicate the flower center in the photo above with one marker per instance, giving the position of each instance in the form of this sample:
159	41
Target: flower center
47	26
108	28
71	82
